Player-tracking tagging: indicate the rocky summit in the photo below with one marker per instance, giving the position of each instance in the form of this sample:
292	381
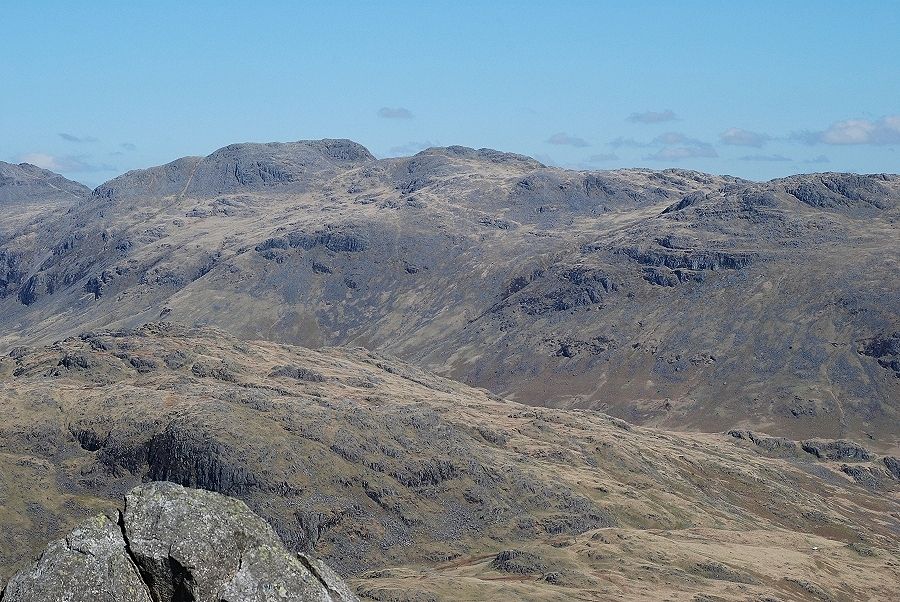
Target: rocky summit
461	375
173	544
30	195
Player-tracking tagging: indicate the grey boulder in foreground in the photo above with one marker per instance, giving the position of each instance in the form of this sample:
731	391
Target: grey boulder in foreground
174	544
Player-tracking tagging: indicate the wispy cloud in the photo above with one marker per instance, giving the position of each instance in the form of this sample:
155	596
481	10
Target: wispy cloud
818	159
603	157
128	146
395	113
67	164
652	117
563	139
411	148
885	130
677	138
772	158
742	137
621	142
678	153
672	146
76	139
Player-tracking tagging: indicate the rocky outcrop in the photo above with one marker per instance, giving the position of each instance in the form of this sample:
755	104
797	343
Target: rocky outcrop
866	469
173	544
676	261
518	562
297	373
348	242
841	191
893	466
773	445
836	450
886	349
697	259
91	563
11	274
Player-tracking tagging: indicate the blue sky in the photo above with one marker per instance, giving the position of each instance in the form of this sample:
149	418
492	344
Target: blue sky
755	89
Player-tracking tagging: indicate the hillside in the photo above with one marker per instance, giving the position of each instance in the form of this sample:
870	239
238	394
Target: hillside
416	487
668	298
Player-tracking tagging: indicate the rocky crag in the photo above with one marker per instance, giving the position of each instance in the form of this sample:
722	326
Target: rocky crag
669	298
171	544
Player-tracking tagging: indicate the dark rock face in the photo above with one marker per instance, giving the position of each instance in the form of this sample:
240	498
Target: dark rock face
676	262
893	466
11	274
184	454
864	475
886	349
518	562
836	450
696	260
298	373
175	545
331	240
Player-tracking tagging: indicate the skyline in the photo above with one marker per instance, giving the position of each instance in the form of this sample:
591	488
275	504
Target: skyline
102	89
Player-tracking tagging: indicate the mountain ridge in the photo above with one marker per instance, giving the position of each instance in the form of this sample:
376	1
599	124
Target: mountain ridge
665	297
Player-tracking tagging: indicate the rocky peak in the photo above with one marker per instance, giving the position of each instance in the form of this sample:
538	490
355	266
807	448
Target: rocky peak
173	544
25	182
290	166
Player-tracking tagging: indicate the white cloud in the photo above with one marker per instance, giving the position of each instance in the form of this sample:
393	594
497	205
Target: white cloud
627	142
885	130
678	153
564	139
672	146
741	137
670	138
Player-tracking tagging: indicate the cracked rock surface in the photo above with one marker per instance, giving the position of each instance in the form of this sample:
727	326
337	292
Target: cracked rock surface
175	544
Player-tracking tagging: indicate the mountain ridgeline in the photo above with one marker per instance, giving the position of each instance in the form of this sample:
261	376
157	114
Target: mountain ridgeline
671	298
